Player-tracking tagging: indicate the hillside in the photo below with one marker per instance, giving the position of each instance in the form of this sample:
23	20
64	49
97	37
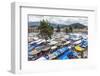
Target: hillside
74	25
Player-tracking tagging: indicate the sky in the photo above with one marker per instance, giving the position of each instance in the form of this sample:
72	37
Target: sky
59	20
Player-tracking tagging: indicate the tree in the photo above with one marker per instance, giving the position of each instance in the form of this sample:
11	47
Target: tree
45	29
66	30
58	28
71	29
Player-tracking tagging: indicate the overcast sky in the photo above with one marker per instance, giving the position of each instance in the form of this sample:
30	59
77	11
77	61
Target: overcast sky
60	20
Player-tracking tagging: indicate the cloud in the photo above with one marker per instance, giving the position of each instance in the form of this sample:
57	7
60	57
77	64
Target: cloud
60	20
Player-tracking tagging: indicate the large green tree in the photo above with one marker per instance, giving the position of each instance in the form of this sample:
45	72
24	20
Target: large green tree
45	29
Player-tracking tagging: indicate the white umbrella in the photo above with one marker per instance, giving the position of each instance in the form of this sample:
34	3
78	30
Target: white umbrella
77	42
53	43
53	47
